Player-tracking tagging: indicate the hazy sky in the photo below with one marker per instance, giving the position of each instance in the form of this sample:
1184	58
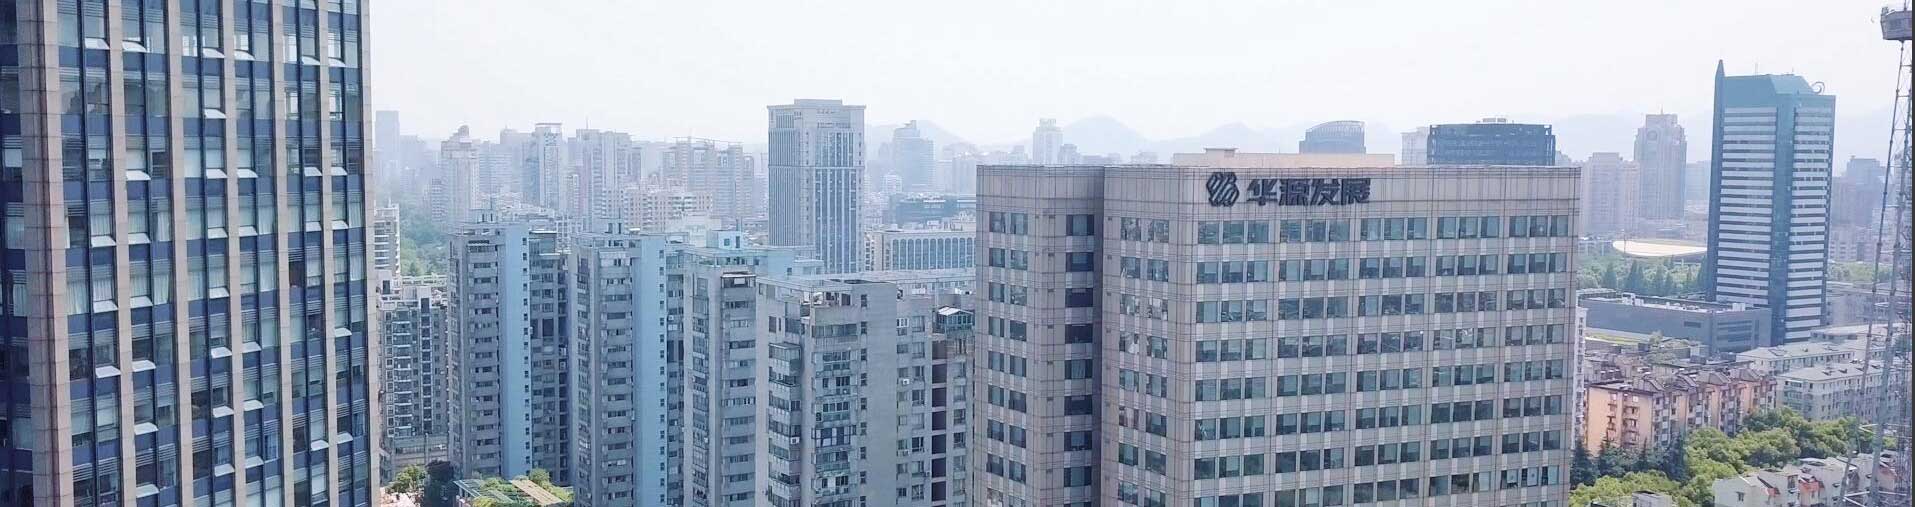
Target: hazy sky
986	69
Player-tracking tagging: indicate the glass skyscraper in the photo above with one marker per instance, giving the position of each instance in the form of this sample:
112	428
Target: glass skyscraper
1769	201
185	255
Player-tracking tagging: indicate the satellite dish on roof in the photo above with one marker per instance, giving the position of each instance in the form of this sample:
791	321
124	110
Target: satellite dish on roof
1816	87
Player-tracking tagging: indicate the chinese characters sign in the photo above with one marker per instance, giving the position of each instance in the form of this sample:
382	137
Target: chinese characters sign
1224	190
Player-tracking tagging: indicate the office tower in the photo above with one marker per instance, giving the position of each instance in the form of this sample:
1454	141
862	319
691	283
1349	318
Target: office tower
173	337
412	315
386	240
458	164
626	372
894	249
1046	141
546	167
719	170
926	208
912	156
962	173
507	355
1276	336
865	400
817	168
1344	136
1662	153
1493	141
1608	192
1416	147
1768	201
719	298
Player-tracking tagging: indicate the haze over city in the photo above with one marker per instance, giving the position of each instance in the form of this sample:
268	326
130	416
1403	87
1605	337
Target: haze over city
983	70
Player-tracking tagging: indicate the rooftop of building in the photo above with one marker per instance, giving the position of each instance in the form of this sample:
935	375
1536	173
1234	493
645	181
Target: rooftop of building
1230	158
1665	303
1647	381
1831	371
895	276
1801	349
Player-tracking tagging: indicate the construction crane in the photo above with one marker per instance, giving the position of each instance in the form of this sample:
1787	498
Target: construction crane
1889	318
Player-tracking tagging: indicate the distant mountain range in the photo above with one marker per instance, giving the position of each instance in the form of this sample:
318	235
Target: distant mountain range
1859	135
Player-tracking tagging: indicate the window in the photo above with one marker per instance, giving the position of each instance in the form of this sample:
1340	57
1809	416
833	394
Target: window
1079	298
1080	262
1080	225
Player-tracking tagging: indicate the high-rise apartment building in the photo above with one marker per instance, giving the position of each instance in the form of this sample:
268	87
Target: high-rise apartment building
187	310
1492	141
1197	336
816	171
721	171
626	371
913	157
546	167
412	393
1344	136
606	165
721	369
1662	154
1768	200
894	249
386	243
865	399
507	359
458	165
1046	142
1608	194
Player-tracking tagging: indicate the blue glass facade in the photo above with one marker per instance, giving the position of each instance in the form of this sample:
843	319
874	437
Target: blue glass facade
1492	143
185	310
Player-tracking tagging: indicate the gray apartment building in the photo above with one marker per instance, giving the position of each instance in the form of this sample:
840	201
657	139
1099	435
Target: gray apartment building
188	318
865	398
413	317
508	358
719	298
1311	336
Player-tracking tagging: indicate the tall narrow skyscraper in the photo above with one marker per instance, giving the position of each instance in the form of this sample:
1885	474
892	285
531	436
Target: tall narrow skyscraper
1768	200
187	305
1662	152
1046	141
816	171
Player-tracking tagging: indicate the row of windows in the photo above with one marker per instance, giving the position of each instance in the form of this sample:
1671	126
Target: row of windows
1004	432
1009	223
1365	492
1142	382
1005	467
1005	363
1309	384
1331	307
1138	229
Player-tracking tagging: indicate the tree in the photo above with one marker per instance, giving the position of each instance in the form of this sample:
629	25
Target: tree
440	491
1609	280
1633	282
409	480
540	477
1582	468
1769	448
1615	490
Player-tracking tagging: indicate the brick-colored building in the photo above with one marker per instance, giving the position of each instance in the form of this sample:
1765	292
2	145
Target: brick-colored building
1656	408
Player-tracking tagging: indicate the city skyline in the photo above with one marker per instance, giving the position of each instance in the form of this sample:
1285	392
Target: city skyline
1218	72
